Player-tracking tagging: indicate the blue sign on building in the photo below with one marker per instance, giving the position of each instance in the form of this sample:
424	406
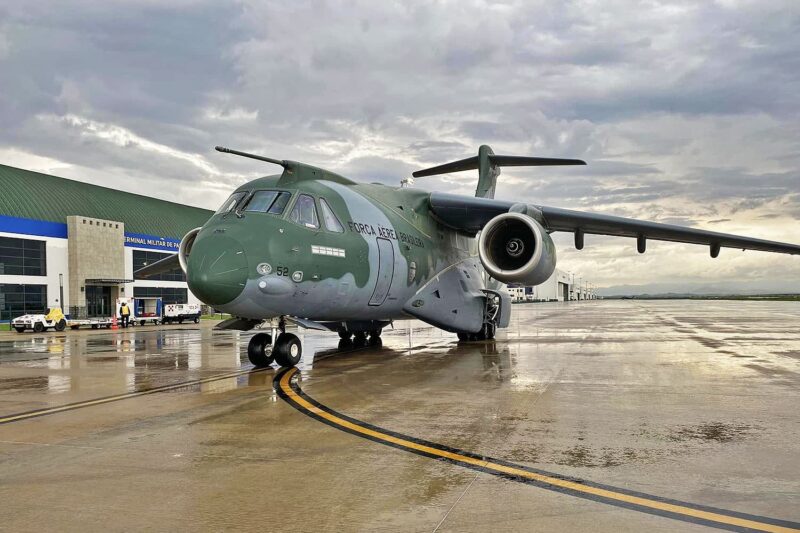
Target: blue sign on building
58	230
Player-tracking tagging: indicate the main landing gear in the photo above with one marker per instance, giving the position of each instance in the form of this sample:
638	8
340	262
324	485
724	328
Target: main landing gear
486	333
286	351
489	328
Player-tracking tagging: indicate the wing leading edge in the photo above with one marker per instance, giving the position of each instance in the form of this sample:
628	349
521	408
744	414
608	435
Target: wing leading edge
469	214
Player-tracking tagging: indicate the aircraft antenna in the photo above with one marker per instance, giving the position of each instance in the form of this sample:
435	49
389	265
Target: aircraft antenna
281	162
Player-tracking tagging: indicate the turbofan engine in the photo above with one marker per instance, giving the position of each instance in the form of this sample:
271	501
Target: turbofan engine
515	248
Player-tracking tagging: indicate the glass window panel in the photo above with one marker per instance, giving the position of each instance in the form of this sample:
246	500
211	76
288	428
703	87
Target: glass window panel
280	203
17	300
331	222
305	212
142	258
10	252
168	295
261	201
26	257
230	203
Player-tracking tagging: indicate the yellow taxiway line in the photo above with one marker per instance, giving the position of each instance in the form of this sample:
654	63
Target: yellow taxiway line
719	518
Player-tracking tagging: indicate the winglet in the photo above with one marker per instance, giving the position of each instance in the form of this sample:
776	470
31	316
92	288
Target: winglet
488	165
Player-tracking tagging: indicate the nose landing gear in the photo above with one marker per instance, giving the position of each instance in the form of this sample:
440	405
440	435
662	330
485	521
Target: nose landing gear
286	351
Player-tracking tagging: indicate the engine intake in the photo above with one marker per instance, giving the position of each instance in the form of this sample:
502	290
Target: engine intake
185	248
515	248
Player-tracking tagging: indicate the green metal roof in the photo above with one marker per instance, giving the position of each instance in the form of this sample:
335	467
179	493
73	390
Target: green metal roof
36	196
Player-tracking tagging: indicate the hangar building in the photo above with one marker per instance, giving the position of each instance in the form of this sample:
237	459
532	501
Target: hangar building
561	286
75	245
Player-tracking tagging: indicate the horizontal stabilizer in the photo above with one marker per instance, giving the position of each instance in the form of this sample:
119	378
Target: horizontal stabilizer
488	166
472	163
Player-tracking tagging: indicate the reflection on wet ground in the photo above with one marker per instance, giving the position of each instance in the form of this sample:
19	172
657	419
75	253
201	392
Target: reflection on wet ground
689	400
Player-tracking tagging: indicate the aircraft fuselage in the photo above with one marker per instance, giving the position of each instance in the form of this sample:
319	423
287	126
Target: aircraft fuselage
382	247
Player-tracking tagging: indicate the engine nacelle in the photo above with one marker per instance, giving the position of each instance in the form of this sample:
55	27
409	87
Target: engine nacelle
515	248
185	248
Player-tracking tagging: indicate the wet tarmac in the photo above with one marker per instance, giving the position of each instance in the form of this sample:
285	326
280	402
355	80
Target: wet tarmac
589	416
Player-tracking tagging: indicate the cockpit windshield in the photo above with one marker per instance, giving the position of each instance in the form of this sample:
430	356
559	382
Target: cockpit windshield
230	203
272	202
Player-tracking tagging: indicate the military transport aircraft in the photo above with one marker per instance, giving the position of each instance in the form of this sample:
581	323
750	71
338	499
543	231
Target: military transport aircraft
316	249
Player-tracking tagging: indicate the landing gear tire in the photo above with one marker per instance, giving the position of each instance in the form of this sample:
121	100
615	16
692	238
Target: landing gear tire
38	327
287	350
359	337
61	325
20	330
259	351
345	335
375	332
487	332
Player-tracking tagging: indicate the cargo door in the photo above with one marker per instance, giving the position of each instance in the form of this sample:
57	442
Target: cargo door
385	272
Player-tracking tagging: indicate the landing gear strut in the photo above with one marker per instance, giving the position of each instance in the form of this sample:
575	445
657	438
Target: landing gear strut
286	351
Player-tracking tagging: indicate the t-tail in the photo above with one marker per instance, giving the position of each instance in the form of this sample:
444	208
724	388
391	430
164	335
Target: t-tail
488	165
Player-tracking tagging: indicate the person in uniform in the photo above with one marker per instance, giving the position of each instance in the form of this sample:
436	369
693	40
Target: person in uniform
125	314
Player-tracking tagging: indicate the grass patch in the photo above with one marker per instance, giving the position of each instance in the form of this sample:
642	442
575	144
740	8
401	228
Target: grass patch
5	327
216	316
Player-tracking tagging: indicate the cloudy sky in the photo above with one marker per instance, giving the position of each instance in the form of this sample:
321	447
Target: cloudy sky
686	112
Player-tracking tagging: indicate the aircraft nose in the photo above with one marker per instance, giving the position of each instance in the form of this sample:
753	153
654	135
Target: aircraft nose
217	269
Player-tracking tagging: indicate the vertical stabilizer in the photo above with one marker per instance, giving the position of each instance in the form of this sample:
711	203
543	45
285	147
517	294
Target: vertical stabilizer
487	173
488	165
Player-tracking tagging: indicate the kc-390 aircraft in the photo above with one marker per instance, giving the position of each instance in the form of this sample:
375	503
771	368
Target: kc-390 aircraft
311	247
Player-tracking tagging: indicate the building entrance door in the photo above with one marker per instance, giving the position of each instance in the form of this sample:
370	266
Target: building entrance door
98	301
564	289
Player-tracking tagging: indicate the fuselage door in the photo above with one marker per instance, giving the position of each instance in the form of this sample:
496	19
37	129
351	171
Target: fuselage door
385	272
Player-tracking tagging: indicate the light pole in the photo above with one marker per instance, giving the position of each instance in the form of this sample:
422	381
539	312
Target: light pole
61	291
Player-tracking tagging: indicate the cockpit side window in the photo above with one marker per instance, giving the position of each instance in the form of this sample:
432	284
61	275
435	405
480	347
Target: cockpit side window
230	203
331	222
305	212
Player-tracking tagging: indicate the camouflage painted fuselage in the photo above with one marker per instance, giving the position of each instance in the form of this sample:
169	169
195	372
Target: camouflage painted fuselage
257	265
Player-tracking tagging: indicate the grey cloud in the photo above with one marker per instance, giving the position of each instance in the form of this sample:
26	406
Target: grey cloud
685	113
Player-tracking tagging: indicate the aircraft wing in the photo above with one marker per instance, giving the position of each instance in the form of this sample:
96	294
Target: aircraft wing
471	214
159	267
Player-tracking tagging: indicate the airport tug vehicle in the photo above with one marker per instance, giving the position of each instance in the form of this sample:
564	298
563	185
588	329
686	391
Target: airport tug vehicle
52	319
314	248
